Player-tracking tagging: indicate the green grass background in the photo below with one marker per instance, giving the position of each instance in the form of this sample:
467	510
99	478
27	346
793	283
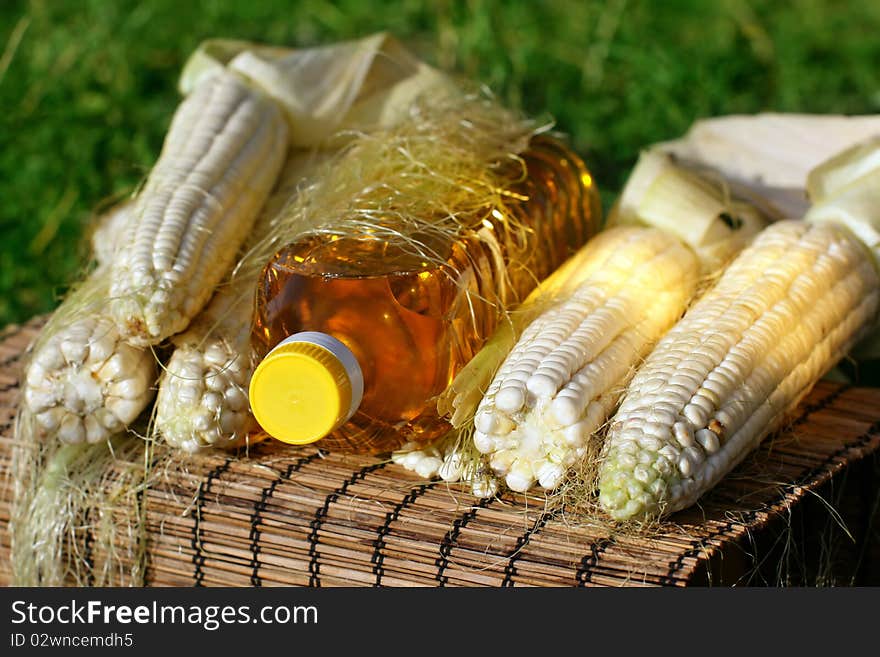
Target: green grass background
87	87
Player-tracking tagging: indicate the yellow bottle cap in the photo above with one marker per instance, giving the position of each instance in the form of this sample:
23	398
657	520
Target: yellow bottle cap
307	386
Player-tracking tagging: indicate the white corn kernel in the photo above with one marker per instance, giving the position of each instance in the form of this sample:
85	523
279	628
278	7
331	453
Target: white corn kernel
684	434
708	440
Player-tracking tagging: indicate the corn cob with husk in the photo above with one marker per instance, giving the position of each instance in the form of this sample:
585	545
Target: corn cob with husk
784	312
563	376
221	158
83	382
202	400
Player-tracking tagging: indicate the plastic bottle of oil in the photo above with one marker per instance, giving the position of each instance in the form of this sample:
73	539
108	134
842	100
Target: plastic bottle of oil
361	335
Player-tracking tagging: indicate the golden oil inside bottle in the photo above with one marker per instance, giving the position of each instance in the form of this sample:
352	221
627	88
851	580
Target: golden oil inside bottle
412	320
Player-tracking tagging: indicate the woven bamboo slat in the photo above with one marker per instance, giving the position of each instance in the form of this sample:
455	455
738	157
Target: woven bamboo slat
297	516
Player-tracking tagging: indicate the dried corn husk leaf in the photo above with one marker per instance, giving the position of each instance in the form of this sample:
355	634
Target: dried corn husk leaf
349	86
770	154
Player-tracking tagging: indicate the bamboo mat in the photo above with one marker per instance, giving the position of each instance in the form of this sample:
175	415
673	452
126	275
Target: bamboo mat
298	516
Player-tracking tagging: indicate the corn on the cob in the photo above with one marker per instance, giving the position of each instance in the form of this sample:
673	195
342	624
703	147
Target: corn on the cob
220	159
452	457
782	314
202	398
563	377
